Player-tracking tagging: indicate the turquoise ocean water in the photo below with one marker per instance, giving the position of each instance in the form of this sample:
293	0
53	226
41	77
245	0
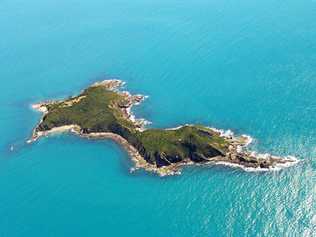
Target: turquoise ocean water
249	66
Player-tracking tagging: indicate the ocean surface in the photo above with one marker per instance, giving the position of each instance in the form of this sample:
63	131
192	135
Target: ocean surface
248	66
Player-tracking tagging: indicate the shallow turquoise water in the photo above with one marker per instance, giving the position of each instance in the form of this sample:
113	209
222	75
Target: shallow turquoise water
249	66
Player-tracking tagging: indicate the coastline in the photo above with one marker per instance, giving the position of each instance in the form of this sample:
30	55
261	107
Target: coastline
238	145
138	160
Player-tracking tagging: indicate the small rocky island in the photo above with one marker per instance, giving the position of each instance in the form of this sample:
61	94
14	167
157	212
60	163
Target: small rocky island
102	111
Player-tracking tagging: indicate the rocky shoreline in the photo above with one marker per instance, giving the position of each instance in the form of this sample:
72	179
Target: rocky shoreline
235	154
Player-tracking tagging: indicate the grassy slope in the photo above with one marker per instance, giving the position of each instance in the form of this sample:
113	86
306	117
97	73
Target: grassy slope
97	111
187	142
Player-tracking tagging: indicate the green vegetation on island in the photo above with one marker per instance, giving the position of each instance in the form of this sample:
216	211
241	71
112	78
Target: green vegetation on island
102	111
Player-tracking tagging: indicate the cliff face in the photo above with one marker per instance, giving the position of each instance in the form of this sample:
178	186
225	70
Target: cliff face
103	109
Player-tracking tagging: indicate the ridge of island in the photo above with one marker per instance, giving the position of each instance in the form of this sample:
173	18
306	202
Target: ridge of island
102	111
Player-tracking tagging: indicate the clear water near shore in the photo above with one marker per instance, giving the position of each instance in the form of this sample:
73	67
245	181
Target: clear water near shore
246	66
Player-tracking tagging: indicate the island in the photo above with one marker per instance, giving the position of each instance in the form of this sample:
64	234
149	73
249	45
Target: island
103	111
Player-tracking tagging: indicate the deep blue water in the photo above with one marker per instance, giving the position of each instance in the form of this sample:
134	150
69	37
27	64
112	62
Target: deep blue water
245	65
